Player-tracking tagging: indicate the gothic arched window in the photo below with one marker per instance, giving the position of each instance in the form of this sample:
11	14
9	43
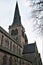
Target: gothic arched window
14	32
10	45
4	60
6	43
10	61
14	48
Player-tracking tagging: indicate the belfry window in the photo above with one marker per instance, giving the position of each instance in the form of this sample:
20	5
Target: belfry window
14	32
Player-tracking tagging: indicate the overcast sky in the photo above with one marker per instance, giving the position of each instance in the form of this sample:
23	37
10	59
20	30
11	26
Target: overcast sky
7	8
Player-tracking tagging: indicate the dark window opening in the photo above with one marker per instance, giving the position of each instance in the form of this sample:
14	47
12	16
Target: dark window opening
10	45
10	61
4	60
22	33
14	32
26	40
14	48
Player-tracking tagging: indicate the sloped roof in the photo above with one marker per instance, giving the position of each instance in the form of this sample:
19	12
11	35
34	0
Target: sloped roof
29	48
17	18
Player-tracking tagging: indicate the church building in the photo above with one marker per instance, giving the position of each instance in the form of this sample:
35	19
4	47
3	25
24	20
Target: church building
14	47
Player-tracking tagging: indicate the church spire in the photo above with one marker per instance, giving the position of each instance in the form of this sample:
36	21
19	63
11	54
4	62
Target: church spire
17	19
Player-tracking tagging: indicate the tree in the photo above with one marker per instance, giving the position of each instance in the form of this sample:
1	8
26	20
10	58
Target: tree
37	15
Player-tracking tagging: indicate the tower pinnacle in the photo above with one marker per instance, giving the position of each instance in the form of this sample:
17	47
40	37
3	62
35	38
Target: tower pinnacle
17	19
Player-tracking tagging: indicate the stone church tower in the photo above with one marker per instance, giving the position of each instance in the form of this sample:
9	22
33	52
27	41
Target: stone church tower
16	30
